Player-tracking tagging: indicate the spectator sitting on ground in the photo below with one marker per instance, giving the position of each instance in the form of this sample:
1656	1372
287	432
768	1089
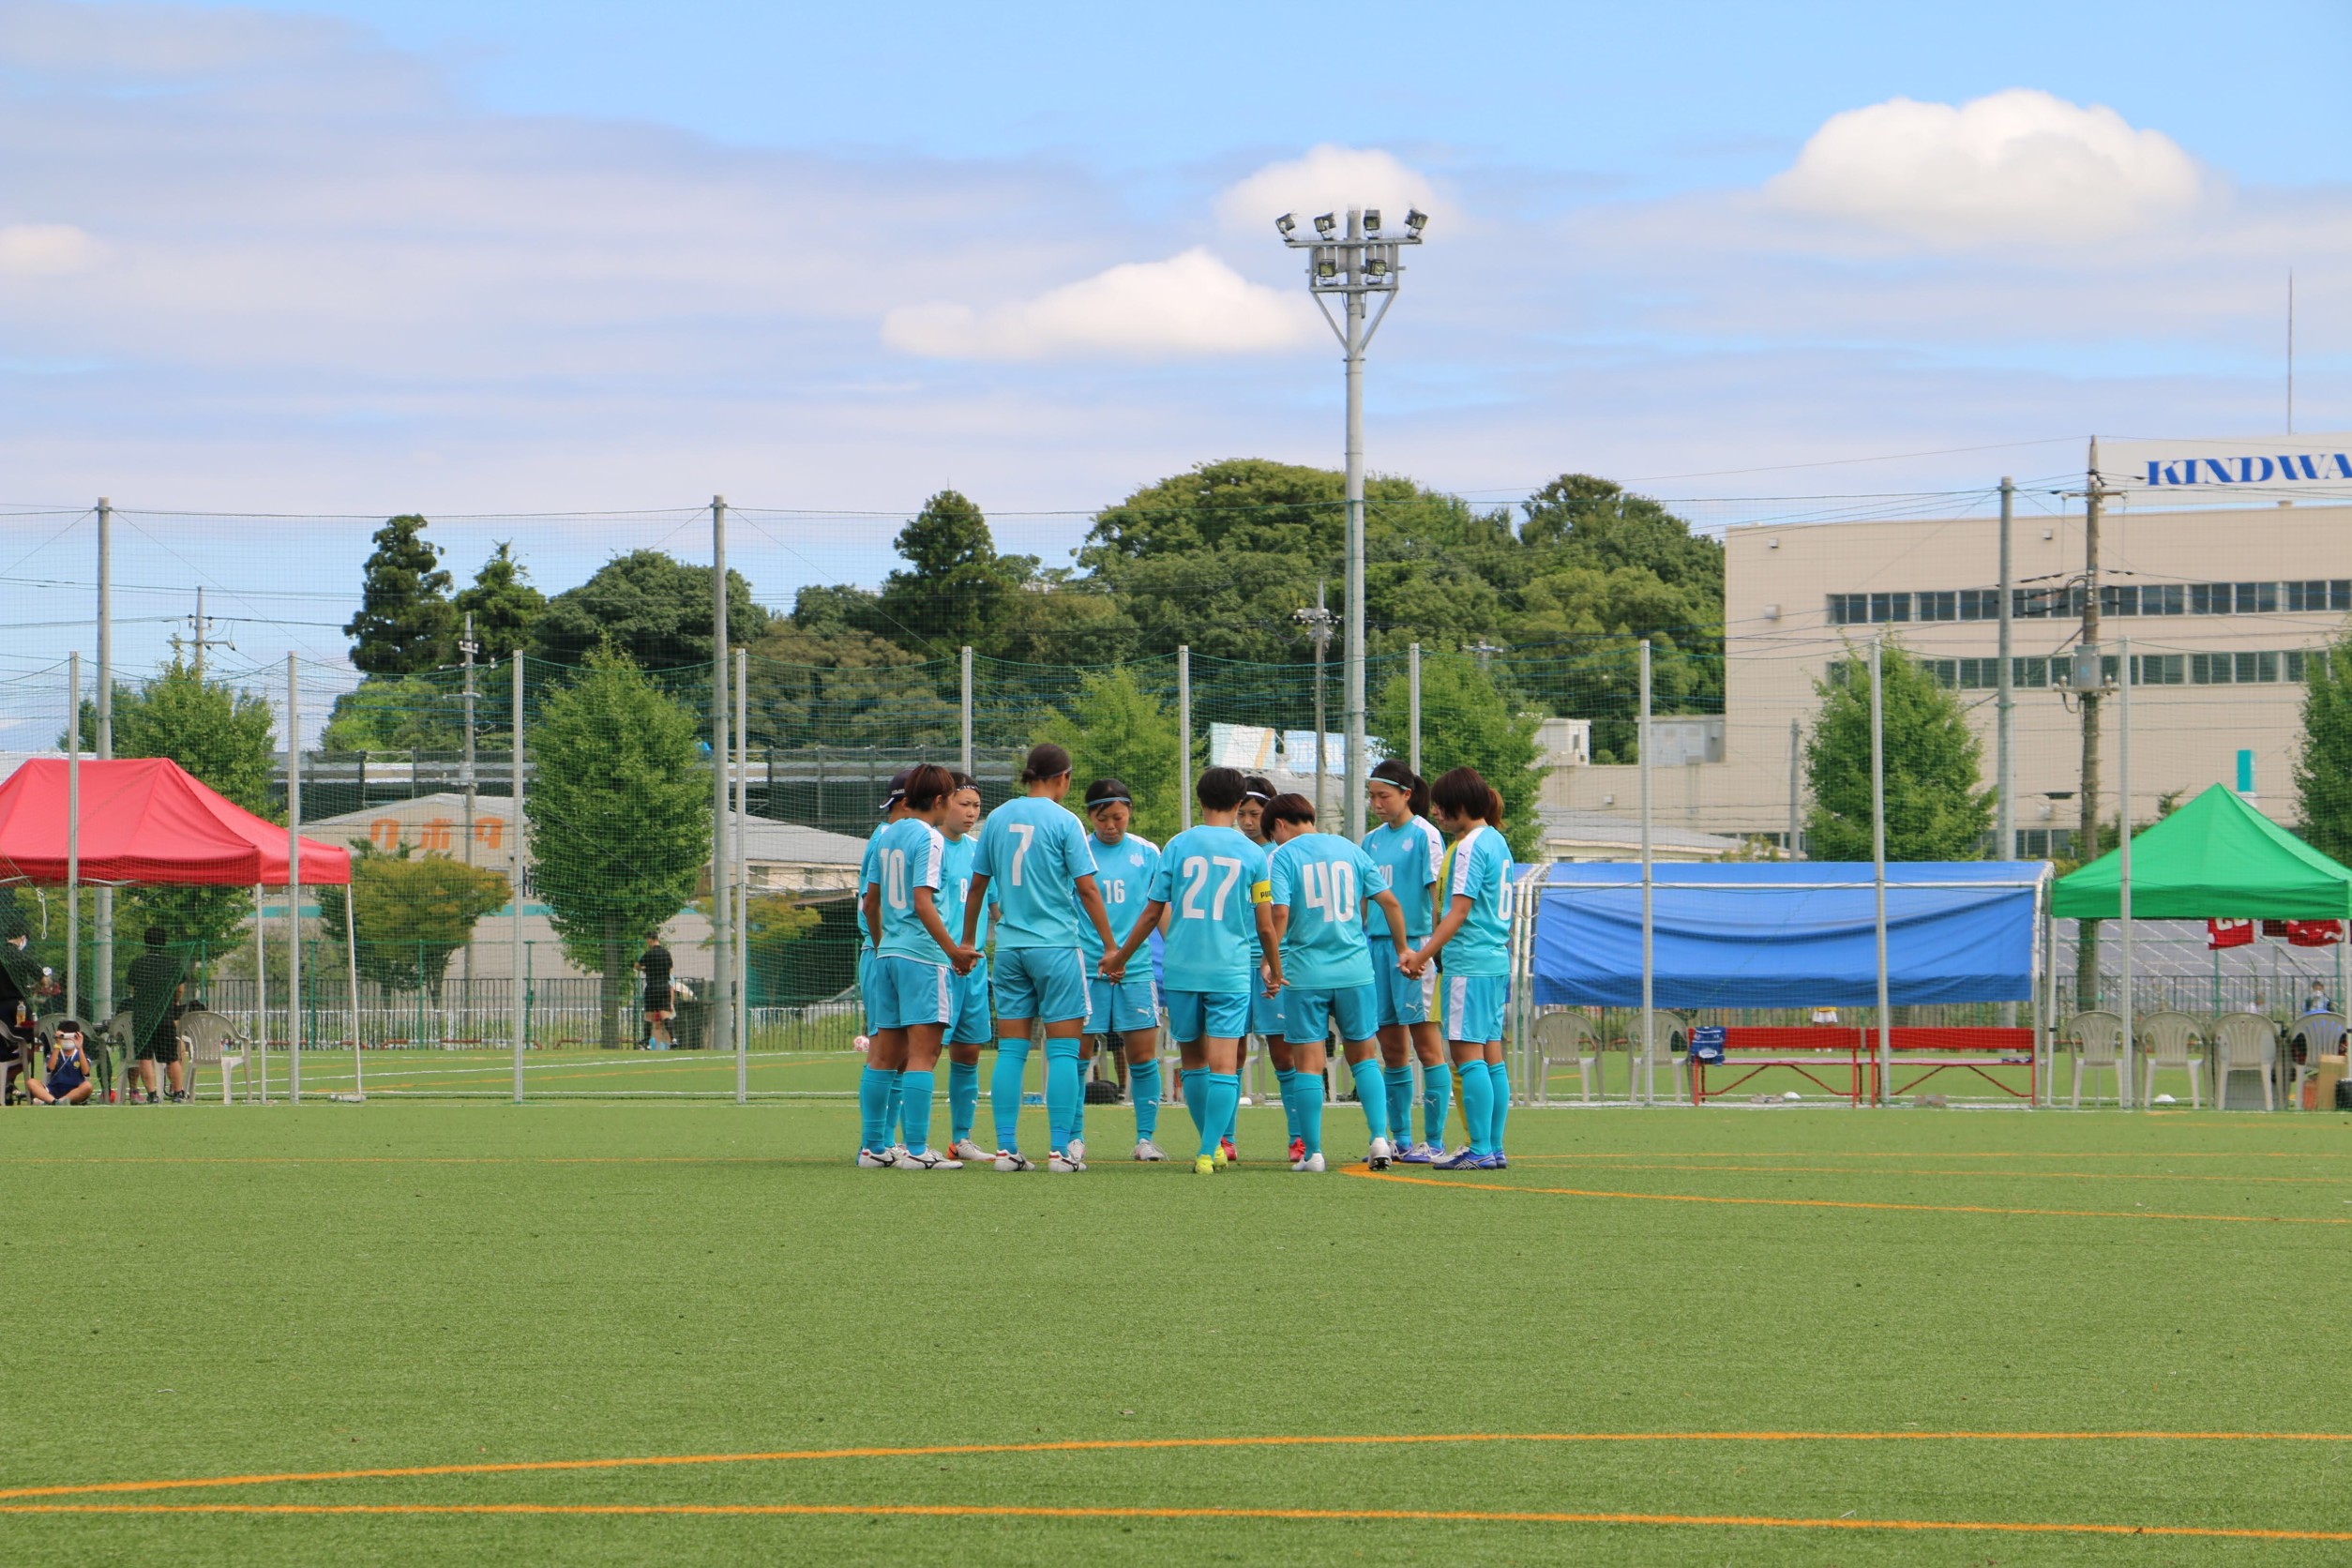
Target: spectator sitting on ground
68	1082
157	985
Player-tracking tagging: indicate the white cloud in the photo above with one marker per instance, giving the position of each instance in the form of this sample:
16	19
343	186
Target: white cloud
1329	178
2015	165
47	249
1190	305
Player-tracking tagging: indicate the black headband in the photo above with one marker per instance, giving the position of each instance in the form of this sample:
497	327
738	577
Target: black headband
1109	800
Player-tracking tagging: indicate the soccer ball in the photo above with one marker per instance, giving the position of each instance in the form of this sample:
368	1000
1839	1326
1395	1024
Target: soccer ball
862	1043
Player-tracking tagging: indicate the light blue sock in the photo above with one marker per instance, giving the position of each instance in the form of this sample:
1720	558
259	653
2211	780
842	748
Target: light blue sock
1062	1090
1233	1128
1437	1095
1286	1083
1501	1077
1307	1097
1004	1092
1400	1101
963	1099
1219	1094
873	1109
1371	1081
1078	1107
890	1112
915	1107
1192	1087
1478	1111
1145	1078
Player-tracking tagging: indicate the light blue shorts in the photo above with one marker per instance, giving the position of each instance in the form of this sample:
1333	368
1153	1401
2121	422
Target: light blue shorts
1116	1009
1048	984
1208	1014
1474	1006
1265	1012
907	991
972	1024
1308	1012
1401	1000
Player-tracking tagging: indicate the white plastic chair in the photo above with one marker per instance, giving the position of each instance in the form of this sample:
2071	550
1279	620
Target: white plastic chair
1669	1028
1566	1039
208	1039
2245	1043
2169	1042
2322	1034
2098	1043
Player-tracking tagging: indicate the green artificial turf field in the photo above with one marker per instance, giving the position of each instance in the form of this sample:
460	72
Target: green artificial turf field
1696	1323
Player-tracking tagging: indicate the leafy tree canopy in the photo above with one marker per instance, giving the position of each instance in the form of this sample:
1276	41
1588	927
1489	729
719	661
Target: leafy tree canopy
652	607
503	605
413	911
1935	810
1114	728
833	684
398	713
956	587
2323	756
404	624
1467	720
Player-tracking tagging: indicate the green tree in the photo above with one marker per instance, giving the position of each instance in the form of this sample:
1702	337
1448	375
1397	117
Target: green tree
955	589
2323	753
1935	810
619	811
404	624
833	684
774	921
412	911
1112	728
1467	720
652	607
398	713
503	604
226	740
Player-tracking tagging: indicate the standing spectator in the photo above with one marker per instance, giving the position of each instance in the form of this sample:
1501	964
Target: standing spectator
23	983
68	1082
654	964
158	985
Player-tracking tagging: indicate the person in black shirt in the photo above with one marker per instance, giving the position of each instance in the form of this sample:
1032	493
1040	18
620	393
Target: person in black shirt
158	979
23	984
654	963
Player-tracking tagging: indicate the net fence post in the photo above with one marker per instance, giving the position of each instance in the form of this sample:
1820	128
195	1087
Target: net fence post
294	883
260	1001
351	960
1412	707
1878	856
1643	1086
742	911
516	1002
719	1011
964	706
2123	846
1184	732
73	839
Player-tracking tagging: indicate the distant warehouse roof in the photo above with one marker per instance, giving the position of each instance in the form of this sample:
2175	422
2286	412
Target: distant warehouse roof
1578	836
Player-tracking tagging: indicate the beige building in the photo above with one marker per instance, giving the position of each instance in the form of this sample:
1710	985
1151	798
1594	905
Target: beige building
2221	610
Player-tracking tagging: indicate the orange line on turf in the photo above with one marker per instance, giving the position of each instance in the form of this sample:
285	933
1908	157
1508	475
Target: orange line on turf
1840	1203
1310	1516
1134	1444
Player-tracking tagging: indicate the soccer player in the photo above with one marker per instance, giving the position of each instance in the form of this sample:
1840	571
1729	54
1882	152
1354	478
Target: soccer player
1265	1009
1211	881
869	932
1407	848
1474	934
1032	858
972	1028
915	962
1125	1011
1319	882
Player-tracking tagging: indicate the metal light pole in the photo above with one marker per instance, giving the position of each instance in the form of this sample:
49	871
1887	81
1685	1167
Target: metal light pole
1318	624
1354	268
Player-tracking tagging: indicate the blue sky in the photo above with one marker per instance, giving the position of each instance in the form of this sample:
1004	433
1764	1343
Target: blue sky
357	257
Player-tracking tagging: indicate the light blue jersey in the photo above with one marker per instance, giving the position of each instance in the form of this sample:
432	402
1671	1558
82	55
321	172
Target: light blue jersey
1478	867
868	873
955	888
908	854
1124	872
1033	852
1211	879
1324	881
1409	854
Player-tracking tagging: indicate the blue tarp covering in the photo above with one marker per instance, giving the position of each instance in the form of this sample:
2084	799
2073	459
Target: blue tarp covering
1786	934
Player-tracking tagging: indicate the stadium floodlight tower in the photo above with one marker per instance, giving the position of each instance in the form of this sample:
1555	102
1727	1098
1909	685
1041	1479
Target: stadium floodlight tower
1354	266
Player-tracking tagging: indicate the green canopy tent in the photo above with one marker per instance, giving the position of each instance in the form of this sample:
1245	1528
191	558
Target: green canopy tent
2216	858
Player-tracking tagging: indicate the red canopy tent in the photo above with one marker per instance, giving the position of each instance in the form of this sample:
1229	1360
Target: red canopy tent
147	820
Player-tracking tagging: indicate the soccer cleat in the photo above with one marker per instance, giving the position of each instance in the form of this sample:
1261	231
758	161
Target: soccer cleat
1205	1166
897	1151
1378	1155
1298	1151
1060	1163
1075	1152
929	1160
875	1159
1228	1152
1010	1160
968	1152
1497	1161
1147	1150
1312	1165
1421	1153
1465	1158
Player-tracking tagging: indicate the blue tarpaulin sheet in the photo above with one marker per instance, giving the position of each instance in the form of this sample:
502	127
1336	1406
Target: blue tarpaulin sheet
1786	934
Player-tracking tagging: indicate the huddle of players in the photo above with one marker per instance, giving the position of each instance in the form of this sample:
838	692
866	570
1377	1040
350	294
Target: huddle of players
1260	924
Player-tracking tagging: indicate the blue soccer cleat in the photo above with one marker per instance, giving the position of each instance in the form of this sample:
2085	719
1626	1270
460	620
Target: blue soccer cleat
1467	1159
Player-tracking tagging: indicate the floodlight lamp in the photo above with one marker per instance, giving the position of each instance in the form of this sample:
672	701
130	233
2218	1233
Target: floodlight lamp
1325	267
1371	220
1285	223
1325	224
1375	267
1414	221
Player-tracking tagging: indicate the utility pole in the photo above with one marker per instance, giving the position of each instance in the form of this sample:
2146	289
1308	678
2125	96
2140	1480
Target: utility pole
1796	787
102	982
201	626
467	648
2086	845
1318	624
719	1012
2004	770
1362	264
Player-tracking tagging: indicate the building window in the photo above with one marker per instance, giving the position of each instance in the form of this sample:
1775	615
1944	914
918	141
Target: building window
1890	607
1943	606
2209	599
1847	609
2169	598
2120	599
1980	604
2158	669
2029	671
1945	672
